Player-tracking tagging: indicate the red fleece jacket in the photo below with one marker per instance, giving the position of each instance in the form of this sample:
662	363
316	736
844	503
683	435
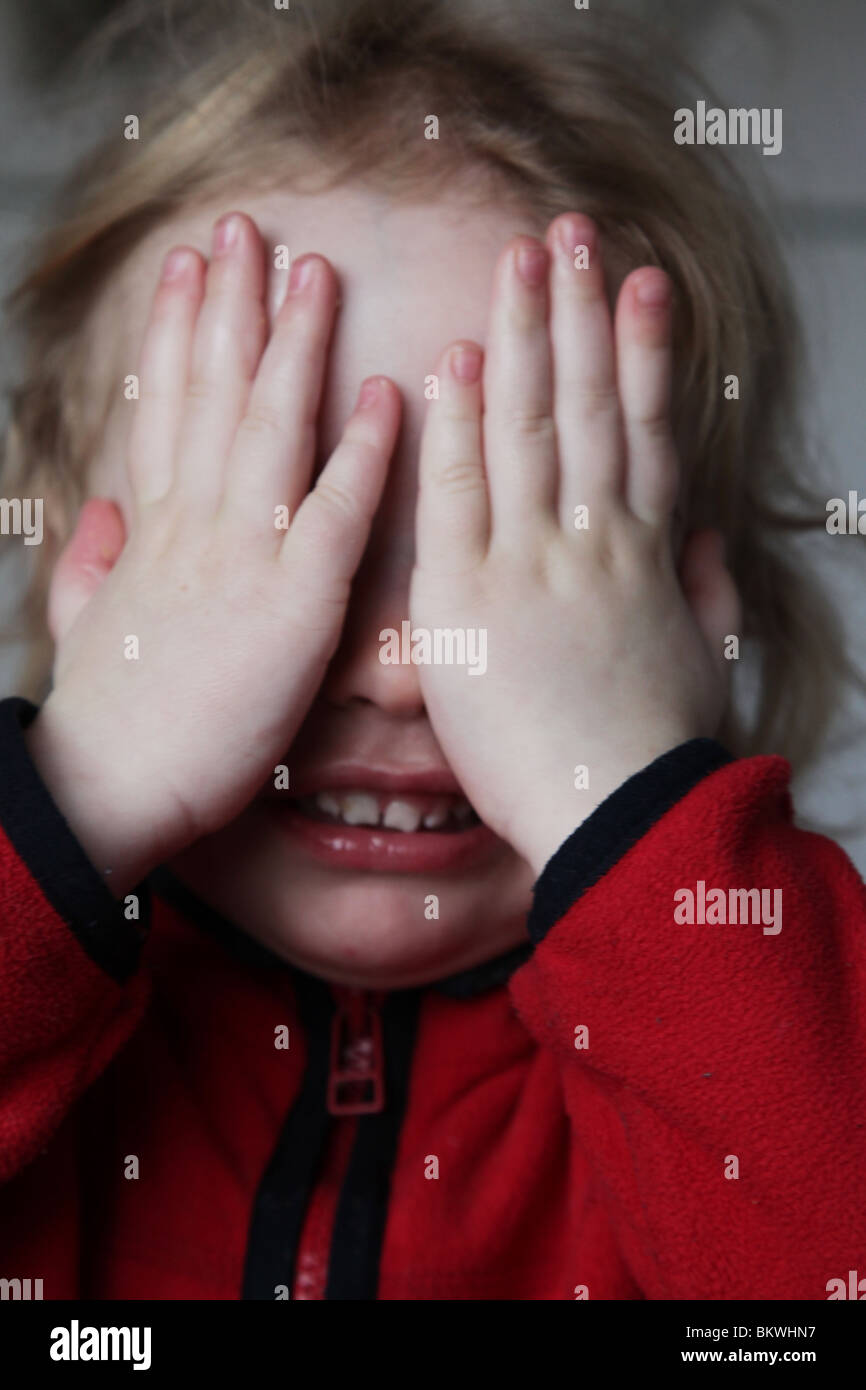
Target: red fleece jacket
631	1106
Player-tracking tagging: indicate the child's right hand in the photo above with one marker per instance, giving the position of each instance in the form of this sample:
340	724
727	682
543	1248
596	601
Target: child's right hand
235	620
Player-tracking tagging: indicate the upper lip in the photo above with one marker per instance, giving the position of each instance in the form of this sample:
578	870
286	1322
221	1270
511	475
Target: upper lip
348	776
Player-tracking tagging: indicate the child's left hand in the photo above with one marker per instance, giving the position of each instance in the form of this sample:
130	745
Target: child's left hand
599	653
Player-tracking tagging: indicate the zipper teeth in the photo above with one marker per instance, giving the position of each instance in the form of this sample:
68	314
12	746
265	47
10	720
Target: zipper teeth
314	1245
360	1008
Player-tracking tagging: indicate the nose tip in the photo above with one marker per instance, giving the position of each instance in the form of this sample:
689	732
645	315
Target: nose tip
358	673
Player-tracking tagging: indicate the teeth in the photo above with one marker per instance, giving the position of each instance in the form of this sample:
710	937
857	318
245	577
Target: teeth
358	808
366	808
399	815
437	816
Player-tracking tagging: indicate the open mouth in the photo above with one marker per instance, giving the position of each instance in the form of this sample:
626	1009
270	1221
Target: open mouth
409	813
381	820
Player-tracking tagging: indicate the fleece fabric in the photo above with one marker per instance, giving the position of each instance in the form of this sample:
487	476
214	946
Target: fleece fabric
633	1105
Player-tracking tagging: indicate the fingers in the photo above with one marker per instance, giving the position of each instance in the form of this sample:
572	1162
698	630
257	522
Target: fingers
453	514
643	338
519	431
710	591
88	556
587	408
324	545
227	346
577	409
163	370
239	418
272	456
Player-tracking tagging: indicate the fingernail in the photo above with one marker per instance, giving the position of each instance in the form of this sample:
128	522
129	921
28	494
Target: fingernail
466	364
573	232
532	265
176	264
300	275
279	290
653	290
369	393
225	233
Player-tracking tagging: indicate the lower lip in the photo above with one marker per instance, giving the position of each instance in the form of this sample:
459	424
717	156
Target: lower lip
360	847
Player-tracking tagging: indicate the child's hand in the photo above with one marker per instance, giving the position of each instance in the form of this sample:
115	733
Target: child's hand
184	670
598	654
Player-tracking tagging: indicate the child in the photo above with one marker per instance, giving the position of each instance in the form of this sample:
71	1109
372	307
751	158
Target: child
331	973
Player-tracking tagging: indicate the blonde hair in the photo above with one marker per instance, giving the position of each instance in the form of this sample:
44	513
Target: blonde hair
275	98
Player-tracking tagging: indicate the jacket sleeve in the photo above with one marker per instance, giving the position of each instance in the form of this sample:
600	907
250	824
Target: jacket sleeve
71	990
713	1069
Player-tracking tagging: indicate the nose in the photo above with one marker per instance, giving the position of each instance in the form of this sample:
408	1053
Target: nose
356	672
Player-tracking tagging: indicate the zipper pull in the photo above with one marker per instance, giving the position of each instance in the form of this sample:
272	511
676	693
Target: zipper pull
356	1075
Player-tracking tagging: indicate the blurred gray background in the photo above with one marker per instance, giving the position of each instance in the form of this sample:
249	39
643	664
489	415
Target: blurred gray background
803	56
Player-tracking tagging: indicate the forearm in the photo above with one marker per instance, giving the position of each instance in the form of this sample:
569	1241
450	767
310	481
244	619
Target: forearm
709	1066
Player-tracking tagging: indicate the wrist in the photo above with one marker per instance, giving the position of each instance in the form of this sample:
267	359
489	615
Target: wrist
103	816
545	829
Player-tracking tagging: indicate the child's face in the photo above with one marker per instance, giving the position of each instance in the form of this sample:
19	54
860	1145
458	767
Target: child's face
381	908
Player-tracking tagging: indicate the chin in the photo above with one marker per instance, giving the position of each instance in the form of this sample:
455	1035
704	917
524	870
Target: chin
362	928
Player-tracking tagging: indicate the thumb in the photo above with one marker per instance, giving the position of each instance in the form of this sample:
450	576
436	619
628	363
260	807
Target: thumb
85	560
710	590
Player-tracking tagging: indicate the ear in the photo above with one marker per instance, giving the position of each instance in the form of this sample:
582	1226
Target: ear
85	560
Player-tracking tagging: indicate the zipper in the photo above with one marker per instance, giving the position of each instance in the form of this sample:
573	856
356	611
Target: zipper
356	1075
356	1086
